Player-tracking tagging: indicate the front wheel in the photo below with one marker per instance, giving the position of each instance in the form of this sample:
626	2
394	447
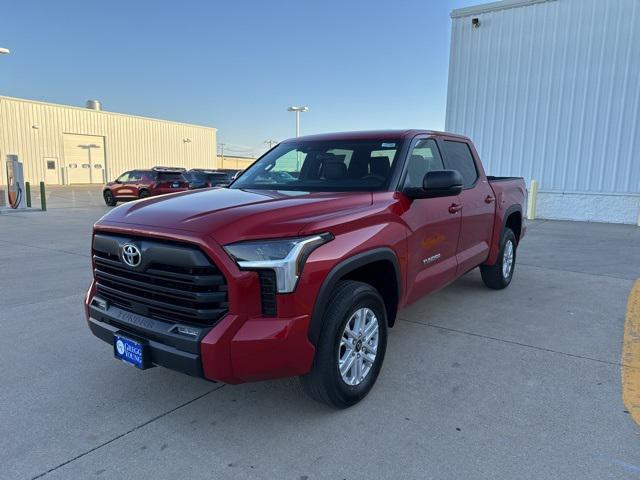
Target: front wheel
499	275
351	348
109	199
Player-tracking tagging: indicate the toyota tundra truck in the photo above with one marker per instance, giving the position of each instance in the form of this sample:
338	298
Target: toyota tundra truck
300	267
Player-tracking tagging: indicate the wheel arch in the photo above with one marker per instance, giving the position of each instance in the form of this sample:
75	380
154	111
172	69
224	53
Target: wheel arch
513	220
373	267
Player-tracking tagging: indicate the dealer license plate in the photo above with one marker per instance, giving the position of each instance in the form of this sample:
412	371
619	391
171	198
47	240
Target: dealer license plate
129	351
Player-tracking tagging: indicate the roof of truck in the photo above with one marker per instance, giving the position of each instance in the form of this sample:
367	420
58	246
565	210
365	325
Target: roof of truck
372	135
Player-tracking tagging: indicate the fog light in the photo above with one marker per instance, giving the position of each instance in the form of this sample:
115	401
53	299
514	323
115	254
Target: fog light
192	332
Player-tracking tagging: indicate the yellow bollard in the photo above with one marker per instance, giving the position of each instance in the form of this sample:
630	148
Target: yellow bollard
533	200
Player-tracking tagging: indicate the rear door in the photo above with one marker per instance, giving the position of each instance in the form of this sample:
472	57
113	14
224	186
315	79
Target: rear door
477	201
434	226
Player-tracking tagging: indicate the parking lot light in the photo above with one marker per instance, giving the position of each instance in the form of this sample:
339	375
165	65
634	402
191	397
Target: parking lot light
298	110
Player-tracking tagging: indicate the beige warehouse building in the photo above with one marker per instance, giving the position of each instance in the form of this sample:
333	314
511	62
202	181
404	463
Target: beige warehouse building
65	145
234	162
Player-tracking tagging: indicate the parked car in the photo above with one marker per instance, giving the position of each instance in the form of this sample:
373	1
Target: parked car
214	178
302	277
233	173
145	183
197	179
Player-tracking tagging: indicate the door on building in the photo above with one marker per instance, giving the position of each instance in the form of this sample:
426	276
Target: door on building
84	158
51	171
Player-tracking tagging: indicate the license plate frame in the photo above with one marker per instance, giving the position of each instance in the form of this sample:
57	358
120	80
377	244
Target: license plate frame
175	185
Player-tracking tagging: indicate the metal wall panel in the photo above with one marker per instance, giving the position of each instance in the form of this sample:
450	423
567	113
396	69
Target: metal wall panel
550	90
35	131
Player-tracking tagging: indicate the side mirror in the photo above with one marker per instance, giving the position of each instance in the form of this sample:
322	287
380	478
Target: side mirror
438	183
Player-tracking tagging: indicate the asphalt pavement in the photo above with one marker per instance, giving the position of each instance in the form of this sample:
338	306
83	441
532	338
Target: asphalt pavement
477	384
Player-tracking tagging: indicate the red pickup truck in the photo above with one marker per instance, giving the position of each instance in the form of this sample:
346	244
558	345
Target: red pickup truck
301	265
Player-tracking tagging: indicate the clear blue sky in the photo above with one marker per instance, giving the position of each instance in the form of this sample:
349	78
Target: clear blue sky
237	65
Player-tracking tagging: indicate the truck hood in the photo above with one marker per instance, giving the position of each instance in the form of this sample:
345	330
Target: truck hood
230	215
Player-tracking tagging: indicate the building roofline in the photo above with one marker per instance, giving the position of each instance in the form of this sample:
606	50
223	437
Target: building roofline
236	156
494	6
84	109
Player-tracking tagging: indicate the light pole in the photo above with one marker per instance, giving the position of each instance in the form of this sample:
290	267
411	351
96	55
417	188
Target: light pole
298	110
222	145
4	51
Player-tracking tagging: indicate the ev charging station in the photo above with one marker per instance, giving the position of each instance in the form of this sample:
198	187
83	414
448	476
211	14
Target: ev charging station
15	181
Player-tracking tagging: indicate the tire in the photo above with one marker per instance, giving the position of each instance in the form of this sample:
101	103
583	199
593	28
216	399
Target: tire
109	199
348	302
498	276
144	194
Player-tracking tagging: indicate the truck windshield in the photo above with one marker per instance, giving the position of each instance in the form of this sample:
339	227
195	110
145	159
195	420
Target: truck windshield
327	166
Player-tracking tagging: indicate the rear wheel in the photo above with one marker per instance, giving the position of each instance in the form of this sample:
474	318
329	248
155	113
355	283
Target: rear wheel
499	275
351	348
109	199
143	194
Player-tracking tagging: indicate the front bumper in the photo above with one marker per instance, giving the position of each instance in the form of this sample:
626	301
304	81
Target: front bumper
165	345
235	350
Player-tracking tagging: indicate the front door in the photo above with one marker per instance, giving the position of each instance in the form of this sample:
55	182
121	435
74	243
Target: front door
52	175
123	186
434	226
478	205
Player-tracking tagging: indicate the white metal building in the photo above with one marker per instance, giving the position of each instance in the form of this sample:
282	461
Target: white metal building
550	90
65	145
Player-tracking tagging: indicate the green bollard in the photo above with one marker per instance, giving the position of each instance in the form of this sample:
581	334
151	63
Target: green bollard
27	187
43	198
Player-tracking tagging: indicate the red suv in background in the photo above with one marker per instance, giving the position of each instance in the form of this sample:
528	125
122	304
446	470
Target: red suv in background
145	183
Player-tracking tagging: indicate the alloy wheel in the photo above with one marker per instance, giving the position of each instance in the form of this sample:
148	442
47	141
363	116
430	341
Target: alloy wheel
358	346
507	259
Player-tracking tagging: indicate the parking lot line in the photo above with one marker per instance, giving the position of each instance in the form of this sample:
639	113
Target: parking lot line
631	355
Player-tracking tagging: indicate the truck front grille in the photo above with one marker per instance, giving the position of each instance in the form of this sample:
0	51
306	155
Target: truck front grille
174	282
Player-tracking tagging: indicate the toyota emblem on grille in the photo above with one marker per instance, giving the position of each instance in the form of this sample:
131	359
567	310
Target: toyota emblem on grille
131	255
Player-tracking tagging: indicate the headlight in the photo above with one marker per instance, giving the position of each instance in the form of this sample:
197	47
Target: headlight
286	257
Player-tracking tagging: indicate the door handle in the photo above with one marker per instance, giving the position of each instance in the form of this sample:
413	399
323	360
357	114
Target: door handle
455	208
489	199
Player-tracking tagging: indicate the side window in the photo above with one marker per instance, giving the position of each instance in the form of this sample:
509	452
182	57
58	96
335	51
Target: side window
424	158
135	177
124	177
459	158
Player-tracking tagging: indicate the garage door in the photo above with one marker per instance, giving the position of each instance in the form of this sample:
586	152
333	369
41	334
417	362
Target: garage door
84	158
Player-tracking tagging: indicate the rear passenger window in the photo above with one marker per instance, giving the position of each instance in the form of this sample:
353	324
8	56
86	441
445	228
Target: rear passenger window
459	158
